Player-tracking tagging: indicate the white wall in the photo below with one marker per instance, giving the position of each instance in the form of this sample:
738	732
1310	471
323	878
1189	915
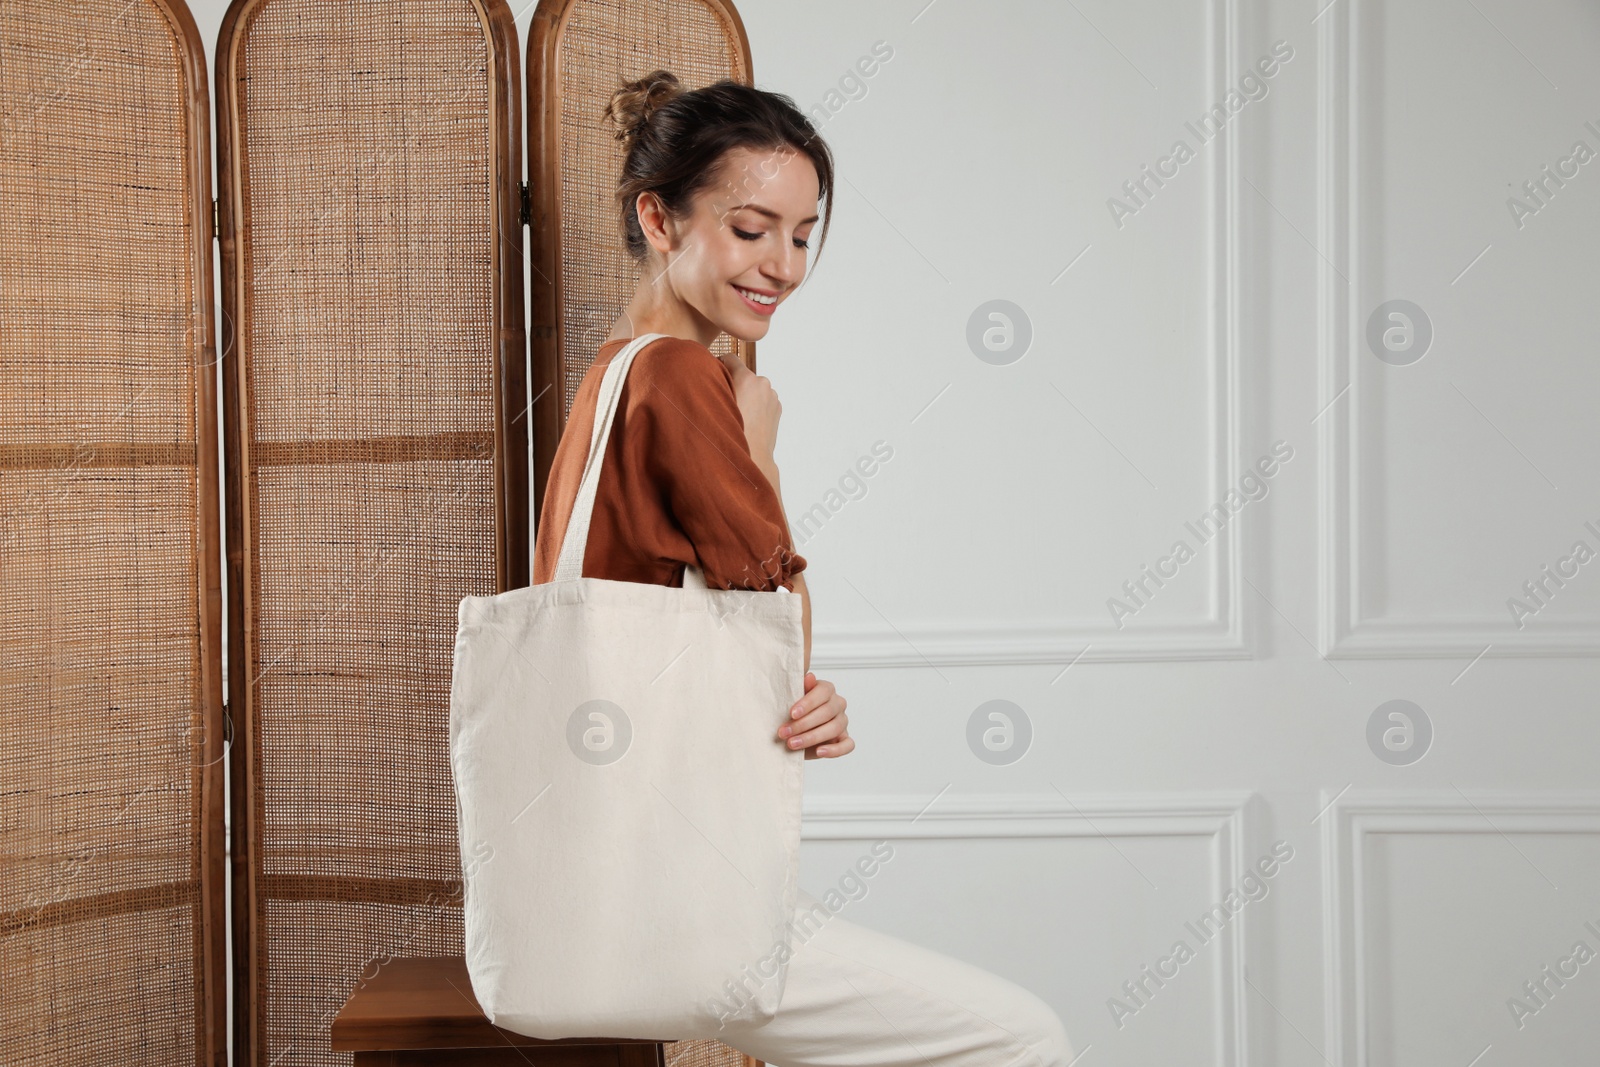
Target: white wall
1169	354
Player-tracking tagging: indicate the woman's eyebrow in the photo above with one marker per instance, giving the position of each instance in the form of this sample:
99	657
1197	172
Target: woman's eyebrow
768	212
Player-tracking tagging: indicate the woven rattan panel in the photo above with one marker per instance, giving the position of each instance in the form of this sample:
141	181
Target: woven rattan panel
376	283
582	50
111	866
604	43
598	44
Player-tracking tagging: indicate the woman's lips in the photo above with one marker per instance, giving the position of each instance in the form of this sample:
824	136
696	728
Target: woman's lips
759	309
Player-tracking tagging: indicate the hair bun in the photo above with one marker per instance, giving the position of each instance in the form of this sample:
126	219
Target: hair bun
631	105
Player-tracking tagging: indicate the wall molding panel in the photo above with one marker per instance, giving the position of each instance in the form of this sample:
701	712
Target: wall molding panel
1224	819
1344	632
1348	818
1221	634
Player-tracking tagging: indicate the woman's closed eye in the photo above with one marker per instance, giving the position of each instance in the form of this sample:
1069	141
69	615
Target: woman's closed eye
753	236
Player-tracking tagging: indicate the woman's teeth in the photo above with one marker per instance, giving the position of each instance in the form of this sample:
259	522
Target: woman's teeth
757	297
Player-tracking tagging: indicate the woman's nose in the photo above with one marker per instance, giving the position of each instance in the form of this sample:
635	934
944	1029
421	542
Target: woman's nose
784	268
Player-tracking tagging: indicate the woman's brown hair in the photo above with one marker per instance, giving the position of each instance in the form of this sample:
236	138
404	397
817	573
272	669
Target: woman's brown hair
676	138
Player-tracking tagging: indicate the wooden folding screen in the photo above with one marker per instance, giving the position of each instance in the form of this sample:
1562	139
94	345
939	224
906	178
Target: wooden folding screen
375	431
369	162
111	723
579	53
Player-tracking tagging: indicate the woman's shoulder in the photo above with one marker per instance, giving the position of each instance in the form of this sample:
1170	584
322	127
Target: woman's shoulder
666	348
680	361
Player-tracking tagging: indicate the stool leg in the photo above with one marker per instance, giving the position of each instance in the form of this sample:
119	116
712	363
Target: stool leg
652	1055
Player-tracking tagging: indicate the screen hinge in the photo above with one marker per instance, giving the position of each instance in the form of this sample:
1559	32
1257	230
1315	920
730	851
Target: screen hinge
216	225
526	216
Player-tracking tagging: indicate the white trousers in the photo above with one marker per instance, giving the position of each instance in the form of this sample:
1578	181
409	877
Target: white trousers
855	997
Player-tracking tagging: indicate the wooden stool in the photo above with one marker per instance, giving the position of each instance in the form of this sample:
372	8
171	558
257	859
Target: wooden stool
421	1011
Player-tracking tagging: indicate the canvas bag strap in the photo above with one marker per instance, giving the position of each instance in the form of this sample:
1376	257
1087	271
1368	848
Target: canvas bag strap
569	564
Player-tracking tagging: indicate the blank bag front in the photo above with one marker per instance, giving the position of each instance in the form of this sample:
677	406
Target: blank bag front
629	820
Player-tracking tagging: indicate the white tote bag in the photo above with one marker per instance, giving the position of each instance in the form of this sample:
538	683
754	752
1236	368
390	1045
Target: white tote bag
629	819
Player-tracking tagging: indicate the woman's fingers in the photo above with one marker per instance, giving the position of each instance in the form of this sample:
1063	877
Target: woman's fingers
828	729
818	722
838	747
832	707
818	694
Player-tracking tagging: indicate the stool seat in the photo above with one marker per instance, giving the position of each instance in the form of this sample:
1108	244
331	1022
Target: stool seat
420	1010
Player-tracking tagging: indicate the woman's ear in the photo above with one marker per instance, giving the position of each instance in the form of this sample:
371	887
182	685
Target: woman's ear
654	222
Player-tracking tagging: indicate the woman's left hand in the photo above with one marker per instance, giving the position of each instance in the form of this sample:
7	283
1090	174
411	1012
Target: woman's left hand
818	722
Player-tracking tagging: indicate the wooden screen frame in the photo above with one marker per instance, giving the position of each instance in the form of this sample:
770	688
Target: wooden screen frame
206	779
209	503
213	844
511	442
214	806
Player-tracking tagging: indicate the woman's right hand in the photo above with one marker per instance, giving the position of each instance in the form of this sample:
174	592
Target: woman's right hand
758	406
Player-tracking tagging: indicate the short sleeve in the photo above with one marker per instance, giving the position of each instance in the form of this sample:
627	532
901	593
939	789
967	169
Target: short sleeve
695	450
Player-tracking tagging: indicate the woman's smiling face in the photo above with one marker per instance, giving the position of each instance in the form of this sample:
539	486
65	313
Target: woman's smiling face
742	249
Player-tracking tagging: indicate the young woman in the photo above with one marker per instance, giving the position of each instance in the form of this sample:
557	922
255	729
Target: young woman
718	199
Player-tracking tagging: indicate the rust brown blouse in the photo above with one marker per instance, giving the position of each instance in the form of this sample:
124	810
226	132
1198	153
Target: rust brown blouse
678	485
